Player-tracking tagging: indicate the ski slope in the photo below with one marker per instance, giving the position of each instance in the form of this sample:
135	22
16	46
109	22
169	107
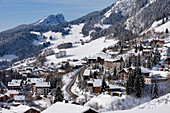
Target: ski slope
78	51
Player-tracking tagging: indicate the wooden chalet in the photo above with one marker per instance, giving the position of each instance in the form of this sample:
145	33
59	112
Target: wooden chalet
109	64
96	85
115	90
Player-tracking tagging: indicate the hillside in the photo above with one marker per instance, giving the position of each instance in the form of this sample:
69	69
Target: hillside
159	105
121	20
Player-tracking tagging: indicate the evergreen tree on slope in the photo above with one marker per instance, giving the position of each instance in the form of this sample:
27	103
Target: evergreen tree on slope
58	96
155	91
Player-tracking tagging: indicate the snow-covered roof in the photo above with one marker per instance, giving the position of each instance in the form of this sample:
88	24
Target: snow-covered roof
146	50
90	81
97	83
145	70
19	97
161	39
160	73
22	109
12	92
147	47
112	60
42	84
95	70
35	80
126	69
114	86
59	107
86	72
14	82
101	55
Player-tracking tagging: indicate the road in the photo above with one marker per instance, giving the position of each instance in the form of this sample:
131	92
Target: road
68	88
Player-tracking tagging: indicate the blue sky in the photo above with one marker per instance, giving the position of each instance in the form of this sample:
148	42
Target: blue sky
17	12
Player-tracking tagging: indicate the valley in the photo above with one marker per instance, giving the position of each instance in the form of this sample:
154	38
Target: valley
113	60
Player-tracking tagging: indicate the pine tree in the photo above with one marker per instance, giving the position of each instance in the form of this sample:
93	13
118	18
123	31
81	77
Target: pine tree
120	67
138	87
58	95
102	69
130	84
2	89
115	73
62	66
142	79
51	38
139	83
134	62
155	91
140	48
139	62
136	48
156	57
166	31
121	49
103	87
67	65
130	61
126	63
163	21
149	65
79	81
109	76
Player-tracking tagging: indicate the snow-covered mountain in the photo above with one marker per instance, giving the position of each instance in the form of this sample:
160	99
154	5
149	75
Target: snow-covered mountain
51	20
121	20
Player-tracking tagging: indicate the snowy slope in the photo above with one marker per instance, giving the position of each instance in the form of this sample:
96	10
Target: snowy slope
59	107
105	102
160	105
157	26
121	5
78	51
51	20
155	110
163	27
163	101
138	23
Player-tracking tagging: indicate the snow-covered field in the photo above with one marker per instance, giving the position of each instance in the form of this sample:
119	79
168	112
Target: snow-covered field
78	51
159	27
159	105
8	57
44	103
154	110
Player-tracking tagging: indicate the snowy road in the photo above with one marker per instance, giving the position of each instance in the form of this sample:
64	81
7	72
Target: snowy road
68	88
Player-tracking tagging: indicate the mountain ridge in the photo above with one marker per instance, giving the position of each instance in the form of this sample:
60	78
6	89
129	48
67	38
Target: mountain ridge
51	20
96	25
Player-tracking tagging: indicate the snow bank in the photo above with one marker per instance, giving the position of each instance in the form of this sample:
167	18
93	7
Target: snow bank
104	102
155	110
44	103
159	105
59	107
